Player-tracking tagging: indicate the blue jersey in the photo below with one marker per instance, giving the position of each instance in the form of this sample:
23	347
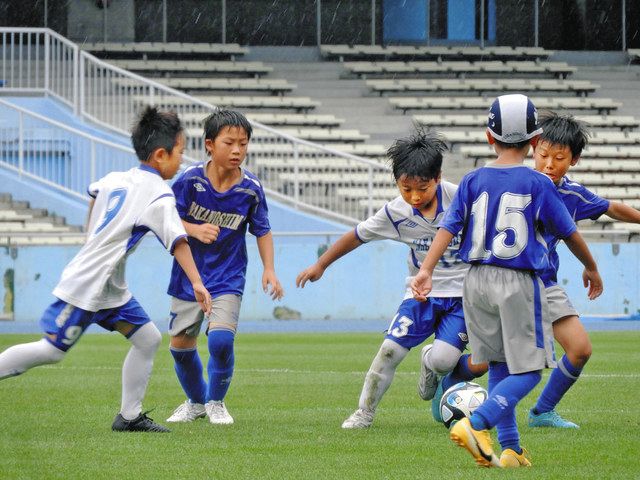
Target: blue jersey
502	210
223	263
581	204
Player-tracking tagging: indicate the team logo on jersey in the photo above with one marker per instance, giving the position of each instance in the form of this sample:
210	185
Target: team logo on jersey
463	336
214	217
199	187
410	224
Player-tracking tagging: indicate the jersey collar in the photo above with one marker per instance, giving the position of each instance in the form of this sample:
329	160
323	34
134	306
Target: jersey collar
147	168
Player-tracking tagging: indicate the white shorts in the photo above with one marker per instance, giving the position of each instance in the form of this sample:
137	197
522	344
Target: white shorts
507	318
559	304
187	317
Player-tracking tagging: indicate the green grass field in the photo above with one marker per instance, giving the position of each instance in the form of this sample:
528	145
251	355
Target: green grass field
289	396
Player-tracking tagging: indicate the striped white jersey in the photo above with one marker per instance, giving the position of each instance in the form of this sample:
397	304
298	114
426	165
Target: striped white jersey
399	221
127	205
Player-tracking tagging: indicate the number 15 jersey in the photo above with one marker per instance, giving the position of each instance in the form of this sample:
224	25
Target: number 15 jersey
502	210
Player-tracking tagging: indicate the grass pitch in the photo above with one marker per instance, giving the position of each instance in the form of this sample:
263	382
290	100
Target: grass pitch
289	395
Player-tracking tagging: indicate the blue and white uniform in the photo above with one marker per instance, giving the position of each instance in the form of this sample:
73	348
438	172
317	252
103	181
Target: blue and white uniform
92	288
442	313
501	211
223	263
581	204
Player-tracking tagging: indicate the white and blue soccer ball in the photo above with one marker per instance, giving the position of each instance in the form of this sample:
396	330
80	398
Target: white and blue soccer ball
460	401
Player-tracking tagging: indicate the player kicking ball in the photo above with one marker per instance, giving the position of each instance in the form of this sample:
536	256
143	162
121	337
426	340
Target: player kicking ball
501	209
92	289
412	218
561	143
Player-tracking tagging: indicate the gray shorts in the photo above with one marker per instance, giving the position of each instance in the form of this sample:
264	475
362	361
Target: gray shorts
507	318
187	317
559	304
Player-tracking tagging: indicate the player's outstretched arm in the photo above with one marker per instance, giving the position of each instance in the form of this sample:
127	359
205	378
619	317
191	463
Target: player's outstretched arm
269	278
624	213
421	283
205	232
345	244
182	254
590	277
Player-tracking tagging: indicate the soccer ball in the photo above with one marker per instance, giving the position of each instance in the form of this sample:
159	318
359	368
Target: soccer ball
460	401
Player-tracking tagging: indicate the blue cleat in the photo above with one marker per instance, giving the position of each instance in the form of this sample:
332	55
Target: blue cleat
435	402
549	419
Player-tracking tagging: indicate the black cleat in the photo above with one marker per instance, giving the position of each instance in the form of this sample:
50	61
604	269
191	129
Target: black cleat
141	423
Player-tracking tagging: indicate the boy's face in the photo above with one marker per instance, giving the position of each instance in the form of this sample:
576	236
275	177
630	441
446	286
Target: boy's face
229	149
416	191
171	161
553	160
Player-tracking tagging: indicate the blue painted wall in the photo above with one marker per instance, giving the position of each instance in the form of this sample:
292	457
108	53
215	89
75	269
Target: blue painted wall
461	20
366	285
404	21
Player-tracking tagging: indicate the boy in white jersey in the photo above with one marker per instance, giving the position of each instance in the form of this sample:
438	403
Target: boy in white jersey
412	219
559	148
218	201
92	288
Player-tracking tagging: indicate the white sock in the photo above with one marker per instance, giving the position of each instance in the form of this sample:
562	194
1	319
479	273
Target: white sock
381	373
442	358
136	369
20	358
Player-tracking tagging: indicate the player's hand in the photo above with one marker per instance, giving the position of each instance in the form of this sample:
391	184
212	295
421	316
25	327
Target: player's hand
591	280
202	297
269	279
205	232
311	274
421	285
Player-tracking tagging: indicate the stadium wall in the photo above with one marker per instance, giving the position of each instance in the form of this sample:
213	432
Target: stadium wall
362	289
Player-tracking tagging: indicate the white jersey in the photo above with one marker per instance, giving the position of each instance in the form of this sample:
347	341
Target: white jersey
127	205
399	221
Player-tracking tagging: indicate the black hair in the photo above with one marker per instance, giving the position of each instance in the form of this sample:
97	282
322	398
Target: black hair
221	118
517	146
155	129
564	130
418	155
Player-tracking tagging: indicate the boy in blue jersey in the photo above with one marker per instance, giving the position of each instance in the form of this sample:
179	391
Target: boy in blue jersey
92	288
501	210
217	201
558	149
411	218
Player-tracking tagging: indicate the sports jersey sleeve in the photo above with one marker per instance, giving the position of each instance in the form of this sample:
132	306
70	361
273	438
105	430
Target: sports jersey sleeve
589	205
259	218
94	188
379	226
454	218
552	212
180	192
161	217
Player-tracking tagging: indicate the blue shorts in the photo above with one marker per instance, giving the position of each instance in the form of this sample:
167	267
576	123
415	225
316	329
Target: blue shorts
68	323
416	321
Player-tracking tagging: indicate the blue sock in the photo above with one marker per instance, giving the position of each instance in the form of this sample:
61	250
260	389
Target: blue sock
460	373
220	366
189	371
505	391
561	380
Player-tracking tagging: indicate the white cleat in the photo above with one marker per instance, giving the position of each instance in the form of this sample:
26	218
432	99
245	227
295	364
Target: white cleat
359	419
187	412
218	413
428	381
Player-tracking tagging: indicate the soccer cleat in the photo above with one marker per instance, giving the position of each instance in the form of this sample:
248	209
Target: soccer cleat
511	459
359	419
477	442
435	402
141	423
549	419
218	413
428	381
187	412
